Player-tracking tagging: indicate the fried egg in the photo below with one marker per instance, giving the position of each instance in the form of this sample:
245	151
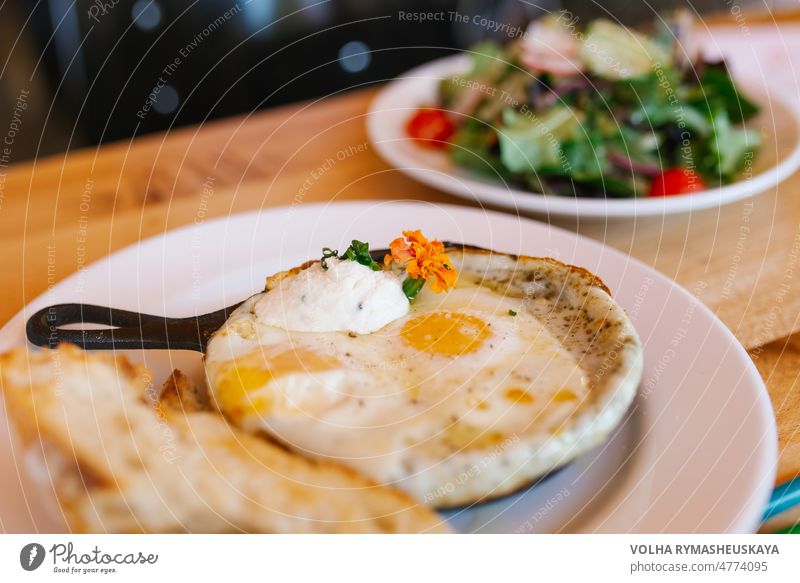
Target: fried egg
460	397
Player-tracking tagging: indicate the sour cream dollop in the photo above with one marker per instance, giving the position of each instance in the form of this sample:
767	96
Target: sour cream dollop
347	297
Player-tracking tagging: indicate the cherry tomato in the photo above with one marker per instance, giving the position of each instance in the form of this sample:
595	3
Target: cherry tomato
677	181
430	126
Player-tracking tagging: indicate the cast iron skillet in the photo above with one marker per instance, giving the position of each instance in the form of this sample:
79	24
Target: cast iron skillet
132	330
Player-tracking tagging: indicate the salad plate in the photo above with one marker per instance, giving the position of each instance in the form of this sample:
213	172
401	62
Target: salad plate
696	453
777	122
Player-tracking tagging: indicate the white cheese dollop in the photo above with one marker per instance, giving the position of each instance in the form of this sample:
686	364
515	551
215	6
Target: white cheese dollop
347	297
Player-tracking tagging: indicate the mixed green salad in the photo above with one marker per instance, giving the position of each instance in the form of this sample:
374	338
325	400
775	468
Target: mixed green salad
594	111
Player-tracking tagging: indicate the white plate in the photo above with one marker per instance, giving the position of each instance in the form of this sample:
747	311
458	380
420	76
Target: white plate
778	159
697	454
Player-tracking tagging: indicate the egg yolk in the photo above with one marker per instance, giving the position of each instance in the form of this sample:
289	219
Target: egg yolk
445	333
240	381
234	387
464	436
518	396
565	395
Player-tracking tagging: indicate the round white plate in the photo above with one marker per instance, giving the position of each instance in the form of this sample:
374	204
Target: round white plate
697	453
778	159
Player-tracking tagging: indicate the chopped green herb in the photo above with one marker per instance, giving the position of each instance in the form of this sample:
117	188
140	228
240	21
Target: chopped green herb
358	251
411	287
327	253
511	312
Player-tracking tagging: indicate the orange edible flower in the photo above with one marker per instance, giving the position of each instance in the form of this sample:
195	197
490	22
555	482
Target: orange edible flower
423	258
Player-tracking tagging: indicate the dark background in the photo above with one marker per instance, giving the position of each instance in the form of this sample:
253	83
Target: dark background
89	65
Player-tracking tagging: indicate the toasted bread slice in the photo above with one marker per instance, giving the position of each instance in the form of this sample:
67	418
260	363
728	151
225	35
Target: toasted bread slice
121	459
181	394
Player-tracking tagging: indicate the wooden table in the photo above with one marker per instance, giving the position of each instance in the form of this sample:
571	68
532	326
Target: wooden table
61	213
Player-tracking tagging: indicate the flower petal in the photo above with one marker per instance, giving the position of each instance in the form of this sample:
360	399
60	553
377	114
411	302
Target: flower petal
423	258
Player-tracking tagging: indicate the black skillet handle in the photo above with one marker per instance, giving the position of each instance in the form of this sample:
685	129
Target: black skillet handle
130	330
